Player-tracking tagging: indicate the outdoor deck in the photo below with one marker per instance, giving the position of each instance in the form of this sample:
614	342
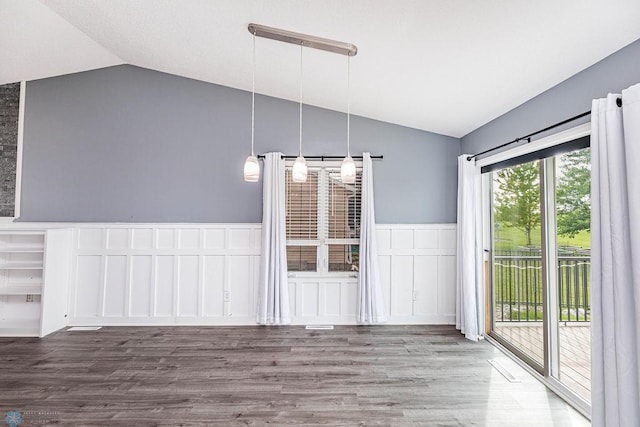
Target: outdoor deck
575	350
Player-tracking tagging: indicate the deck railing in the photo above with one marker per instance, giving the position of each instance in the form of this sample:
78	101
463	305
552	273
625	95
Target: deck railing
518	288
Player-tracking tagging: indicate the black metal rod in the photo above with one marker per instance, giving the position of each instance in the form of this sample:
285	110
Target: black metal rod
469	158
323	158
528	137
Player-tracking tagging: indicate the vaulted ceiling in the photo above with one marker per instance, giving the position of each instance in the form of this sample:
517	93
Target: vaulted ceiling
446	66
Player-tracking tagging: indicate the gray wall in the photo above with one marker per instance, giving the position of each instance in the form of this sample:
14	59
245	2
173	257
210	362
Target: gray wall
569	98
126	144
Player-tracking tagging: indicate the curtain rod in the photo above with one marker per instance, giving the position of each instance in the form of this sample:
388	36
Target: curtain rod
528	137
322	158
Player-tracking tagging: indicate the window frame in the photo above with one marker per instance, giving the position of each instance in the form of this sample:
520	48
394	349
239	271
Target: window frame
322	243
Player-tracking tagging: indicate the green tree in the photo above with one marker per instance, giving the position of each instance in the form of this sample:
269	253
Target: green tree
517	197
573	196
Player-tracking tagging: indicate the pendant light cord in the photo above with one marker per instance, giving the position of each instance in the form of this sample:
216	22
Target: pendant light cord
253	94
300	79
348	105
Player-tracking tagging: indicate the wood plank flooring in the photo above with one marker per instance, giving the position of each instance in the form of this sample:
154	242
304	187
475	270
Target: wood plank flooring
353	375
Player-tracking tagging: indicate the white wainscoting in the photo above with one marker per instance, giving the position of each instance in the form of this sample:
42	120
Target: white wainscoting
165	274
149	274
418	271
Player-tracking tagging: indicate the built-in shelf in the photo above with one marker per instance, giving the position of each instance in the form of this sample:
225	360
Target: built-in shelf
25	255
21	289
13	233
20	327
22	250
21	265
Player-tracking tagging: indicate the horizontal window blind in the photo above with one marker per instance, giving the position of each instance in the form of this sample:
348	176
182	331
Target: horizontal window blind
302	207
343	207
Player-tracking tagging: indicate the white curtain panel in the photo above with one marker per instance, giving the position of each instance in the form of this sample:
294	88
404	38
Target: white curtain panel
273	293
615	259
469	278
370	304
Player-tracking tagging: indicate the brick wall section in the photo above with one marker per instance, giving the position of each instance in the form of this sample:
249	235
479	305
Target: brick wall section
9	104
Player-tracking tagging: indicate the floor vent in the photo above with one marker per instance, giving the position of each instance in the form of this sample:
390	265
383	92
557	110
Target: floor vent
320	327
84	328
505	373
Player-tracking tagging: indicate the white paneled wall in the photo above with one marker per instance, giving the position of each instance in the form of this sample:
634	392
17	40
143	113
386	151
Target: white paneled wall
418	270
330	300
142	274
165	274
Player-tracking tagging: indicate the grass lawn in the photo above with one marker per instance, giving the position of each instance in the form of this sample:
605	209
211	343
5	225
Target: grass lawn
511	238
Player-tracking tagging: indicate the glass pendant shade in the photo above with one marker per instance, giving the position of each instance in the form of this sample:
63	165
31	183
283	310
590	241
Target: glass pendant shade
299	171
348	170
251	169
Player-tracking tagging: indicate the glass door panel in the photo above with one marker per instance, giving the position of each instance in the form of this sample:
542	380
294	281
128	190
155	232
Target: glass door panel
518	300
573	219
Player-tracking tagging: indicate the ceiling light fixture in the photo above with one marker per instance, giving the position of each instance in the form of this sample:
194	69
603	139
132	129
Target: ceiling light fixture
303	39
251	165
348	167
299	171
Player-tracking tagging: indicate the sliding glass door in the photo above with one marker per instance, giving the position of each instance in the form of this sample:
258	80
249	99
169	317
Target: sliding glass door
517	260
573	257
540	268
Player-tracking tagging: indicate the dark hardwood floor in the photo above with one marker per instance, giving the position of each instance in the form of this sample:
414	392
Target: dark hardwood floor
353	375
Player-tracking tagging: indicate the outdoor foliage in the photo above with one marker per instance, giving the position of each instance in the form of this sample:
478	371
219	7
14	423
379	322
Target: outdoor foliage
517	199
517	271
574	193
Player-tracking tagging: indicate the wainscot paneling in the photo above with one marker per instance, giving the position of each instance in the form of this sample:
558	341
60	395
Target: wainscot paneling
418	272
149	274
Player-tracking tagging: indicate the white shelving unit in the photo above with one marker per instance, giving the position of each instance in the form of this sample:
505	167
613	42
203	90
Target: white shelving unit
34	281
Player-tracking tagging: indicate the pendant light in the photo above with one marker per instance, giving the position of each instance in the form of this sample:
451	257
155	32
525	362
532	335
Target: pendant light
251	165
299	170
348	167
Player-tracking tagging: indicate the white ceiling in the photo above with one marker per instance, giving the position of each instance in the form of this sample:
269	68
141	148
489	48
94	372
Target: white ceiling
446	66
35	42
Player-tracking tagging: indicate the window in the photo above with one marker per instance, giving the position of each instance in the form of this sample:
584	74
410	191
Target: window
323	222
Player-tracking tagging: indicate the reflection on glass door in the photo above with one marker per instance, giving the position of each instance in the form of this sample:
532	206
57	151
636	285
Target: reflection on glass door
573	241
517	260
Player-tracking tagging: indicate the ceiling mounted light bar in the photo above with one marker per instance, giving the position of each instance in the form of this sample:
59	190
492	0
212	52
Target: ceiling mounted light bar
303	40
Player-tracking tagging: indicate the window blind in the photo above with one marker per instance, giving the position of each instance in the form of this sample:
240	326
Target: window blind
342	215
302	207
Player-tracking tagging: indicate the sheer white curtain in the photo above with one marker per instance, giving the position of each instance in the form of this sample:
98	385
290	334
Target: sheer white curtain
273	293
370	304
615	259
469	278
